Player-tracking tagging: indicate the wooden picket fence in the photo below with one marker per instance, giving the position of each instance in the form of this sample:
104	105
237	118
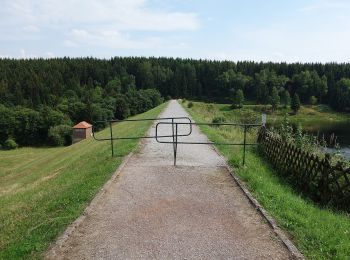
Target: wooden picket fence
323	182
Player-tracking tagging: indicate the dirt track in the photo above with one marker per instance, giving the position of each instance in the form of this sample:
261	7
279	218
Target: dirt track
154	210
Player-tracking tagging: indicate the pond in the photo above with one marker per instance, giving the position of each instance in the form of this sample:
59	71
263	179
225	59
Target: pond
341	130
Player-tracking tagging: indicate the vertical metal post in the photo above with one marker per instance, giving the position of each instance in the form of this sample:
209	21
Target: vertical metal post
111	134
175	149
244	143
172	130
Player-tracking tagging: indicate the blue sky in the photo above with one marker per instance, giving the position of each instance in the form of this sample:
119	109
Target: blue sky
259	30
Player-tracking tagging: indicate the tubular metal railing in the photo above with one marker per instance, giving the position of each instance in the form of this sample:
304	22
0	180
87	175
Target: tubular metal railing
112	138
175	135
174	132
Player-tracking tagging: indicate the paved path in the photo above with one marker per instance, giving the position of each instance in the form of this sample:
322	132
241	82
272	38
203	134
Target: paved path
154	210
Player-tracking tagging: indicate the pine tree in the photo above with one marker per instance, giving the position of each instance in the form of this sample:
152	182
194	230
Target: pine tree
285	98
295	105
238	99
275	99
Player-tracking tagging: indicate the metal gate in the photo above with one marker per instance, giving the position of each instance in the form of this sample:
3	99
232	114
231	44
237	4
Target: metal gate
174	135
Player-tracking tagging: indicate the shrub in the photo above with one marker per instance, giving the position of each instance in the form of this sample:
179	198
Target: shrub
183	100
238	99
122	109
218	120
190	104
60	135
10	144
313	100
210	107
248	117
295	104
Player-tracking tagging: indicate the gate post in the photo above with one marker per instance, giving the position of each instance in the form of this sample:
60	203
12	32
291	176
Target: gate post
111	134
244	143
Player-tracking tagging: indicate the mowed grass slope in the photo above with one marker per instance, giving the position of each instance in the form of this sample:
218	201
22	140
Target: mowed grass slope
42	190
318	232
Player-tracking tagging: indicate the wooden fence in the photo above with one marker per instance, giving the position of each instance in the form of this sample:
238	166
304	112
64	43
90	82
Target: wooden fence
324	183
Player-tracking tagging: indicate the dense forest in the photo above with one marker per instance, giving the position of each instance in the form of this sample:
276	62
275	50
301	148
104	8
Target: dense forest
41	98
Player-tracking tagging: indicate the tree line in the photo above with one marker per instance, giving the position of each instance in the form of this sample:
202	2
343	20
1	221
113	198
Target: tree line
39	94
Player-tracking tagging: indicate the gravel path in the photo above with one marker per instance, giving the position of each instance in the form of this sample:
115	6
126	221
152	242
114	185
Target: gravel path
154	210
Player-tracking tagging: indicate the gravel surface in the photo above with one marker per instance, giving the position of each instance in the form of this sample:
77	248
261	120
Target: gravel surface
154	210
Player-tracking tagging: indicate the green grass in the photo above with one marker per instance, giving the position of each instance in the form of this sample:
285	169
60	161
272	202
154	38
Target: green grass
319	233
42	190
307	115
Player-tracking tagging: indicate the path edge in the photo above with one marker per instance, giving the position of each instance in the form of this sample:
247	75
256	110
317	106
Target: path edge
50	252
296	254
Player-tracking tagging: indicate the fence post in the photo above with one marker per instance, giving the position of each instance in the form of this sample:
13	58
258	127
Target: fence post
244	143
111	134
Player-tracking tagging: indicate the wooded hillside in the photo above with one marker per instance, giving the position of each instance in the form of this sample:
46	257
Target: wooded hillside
38	94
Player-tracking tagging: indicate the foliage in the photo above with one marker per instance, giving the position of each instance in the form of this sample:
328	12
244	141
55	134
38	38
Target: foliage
190	104
340	98
60	135
72	90
285	98
10	144
301	139
122	109
247	117
218	120
275	99
238	99
295	104
313	100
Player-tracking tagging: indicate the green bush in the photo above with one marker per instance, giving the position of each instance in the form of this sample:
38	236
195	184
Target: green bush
60	135
313	100
249	117
10	144
218	120
122	109
190	104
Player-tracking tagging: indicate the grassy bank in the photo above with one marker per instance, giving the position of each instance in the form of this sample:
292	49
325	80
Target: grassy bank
42	190
307	115
319	233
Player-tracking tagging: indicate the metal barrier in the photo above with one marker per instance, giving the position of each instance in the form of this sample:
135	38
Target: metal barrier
175	135
112	138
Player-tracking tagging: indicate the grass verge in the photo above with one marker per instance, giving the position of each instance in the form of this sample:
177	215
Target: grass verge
42	190
318	232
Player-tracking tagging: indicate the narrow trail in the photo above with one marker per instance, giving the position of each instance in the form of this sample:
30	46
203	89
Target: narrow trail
154	210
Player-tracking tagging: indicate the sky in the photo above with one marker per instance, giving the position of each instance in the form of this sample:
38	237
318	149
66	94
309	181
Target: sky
256	30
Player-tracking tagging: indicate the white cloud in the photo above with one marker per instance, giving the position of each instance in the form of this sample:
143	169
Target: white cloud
111	39
119	14
23	53
324	5
123	24
50	54
69	44
31	28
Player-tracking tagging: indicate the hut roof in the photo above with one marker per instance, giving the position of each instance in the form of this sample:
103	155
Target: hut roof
83	125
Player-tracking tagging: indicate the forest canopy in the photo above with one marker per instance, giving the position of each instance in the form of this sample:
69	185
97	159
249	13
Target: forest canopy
38	94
